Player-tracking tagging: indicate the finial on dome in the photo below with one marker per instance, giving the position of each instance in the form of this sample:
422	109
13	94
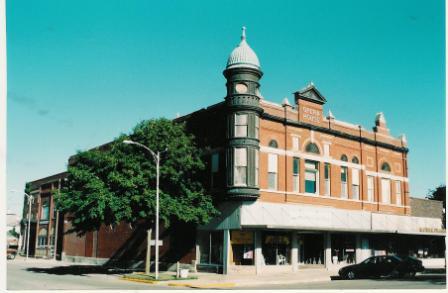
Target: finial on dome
243	33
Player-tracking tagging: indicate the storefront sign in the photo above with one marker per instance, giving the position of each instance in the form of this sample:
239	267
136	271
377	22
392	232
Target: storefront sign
431	230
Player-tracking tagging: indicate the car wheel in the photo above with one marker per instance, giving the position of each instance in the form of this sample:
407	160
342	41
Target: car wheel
350	275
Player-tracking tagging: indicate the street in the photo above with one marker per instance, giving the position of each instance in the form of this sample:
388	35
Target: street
39	275
48	275
420	282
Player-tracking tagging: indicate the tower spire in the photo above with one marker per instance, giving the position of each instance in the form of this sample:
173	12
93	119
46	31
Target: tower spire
243	33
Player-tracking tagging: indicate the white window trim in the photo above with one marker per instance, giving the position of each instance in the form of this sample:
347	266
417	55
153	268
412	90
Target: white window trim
326	197
307	156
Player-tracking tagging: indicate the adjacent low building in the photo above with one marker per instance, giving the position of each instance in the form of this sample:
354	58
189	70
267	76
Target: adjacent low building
297	188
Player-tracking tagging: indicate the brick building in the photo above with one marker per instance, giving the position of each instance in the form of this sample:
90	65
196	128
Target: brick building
122	245
296	188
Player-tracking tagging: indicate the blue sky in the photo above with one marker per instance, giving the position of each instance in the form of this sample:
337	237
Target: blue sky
81	72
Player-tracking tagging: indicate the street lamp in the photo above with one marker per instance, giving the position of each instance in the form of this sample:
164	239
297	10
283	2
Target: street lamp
156	157
30	201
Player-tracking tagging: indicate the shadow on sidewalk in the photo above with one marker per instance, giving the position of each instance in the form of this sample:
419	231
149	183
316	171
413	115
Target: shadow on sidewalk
80	270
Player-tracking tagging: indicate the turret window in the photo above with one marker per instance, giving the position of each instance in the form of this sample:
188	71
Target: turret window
355	160
215	169
240	169
344	158
241	125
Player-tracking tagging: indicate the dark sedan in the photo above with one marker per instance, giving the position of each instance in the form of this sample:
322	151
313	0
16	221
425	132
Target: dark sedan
377	266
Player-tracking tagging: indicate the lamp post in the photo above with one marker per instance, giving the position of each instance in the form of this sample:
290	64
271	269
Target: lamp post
156	157
30	199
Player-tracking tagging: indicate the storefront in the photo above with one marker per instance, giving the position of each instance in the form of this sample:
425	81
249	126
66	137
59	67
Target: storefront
267	237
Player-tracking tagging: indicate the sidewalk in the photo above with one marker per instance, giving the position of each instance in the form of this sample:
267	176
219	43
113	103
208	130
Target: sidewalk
215	281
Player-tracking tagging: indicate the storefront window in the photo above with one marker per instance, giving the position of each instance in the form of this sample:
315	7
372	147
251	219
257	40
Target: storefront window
311	249
276	248
343	248
242	247
211	247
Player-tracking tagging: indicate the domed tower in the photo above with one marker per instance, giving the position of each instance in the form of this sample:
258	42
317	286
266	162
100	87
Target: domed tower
243	120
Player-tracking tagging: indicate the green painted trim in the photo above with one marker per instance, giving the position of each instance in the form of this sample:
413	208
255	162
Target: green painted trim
244	142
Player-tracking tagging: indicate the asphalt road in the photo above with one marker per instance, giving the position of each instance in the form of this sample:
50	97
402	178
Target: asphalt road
426	281
47	275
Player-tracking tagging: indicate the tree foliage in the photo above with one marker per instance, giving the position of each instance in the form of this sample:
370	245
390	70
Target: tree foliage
117	182
439	193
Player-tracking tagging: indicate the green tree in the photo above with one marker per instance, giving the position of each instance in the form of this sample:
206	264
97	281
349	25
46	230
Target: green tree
116	182
439	193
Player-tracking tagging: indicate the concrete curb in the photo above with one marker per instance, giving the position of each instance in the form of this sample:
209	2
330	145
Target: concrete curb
229	284
139	280
203	286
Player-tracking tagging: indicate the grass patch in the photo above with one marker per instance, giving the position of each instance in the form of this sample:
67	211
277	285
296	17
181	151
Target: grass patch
151	277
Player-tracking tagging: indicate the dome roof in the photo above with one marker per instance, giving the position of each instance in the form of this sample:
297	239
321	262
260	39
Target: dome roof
243	55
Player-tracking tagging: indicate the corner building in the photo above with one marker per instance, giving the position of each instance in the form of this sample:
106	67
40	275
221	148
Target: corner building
297	188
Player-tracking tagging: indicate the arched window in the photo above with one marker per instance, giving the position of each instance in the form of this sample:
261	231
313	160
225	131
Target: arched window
344	158
273	143
385	167
312	148
355	160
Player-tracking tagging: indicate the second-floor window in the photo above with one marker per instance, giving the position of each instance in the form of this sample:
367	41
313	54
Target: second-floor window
398	192
240	168
296	174
272	171
45	210
327	178
344	175
370	188
241	125
311	176
385	190
355	184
